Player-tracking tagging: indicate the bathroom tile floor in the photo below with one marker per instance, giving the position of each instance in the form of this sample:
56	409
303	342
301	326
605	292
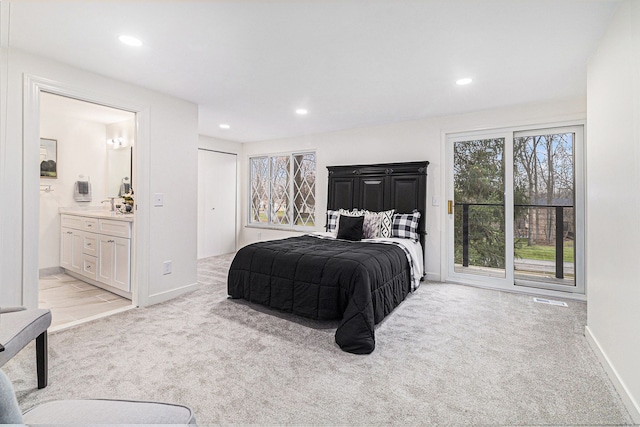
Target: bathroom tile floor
72	301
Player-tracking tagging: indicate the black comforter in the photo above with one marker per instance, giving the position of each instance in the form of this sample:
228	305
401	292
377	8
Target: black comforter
358	282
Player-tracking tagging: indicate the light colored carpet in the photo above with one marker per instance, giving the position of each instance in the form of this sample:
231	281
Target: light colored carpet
449	355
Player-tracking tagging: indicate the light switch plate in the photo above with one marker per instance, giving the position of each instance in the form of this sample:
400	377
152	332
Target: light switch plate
158	199
167	267
435	201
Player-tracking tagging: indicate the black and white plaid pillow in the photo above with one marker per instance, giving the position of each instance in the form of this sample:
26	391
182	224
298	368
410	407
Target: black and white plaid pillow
332	220
406	226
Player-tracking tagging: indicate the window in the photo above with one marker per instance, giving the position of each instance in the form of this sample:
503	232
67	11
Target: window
283	190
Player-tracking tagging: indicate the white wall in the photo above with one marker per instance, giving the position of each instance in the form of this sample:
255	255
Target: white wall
613	202
399	142
81	151
166	163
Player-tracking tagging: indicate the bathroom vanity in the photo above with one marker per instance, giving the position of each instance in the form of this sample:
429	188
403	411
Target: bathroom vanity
95	246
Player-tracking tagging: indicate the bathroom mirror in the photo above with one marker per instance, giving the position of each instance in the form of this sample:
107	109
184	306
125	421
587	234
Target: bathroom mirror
118	171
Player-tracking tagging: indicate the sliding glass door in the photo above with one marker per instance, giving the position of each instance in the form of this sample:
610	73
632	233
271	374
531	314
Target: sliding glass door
515	209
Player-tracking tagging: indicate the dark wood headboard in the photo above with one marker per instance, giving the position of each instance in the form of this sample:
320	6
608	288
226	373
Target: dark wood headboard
380	187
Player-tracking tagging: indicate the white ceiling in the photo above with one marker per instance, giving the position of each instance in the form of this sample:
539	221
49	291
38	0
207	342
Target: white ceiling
351	63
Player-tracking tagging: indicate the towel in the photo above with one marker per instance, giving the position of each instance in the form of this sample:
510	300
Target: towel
82	191
83	187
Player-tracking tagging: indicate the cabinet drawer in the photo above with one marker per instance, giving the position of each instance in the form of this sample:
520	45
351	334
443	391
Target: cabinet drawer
89	266
115	228
90	244
90	224
72	222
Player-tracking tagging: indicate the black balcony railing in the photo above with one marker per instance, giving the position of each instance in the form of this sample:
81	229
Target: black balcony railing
559	231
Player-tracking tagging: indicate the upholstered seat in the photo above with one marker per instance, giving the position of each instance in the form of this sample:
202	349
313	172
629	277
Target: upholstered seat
18	327
90	412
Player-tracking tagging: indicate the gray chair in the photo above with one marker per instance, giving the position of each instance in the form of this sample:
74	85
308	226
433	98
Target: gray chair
18	327
89	412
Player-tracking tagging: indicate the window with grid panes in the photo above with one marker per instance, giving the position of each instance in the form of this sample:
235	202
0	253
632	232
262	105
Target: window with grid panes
283	190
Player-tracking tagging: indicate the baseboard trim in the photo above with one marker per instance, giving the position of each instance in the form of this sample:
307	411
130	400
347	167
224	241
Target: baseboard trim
167	295
43	272
433	277
627	399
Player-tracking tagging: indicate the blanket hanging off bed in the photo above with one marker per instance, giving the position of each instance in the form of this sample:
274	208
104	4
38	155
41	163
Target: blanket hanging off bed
358	282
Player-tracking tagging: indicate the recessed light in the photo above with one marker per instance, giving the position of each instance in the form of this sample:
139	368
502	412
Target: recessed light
224	126
130	41
301	111
465	81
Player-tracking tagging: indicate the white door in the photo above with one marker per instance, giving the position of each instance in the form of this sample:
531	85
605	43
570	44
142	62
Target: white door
217	201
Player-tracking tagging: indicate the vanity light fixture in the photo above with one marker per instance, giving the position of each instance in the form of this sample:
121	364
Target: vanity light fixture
301	112
465	81
117	142
130	41
224	126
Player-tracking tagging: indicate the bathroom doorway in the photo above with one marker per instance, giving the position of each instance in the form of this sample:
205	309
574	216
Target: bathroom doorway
86	176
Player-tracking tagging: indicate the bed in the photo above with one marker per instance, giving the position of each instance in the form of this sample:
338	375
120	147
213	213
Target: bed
327	276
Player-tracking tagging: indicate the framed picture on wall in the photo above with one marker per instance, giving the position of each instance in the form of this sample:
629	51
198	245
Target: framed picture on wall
48	158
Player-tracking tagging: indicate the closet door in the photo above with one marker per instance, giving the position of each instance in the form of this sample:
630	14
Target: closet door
217	201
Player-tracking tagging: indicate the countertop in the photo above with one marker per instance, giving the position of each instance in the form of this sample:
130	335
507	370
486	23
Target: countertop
98	213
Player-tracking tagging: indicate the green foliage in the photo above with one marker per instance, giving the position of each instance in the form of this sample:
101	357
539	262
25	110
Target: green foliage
479	179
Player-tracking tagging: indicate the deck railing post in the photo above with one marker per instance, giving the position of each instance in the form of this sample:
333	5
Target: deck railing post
559	242
465	235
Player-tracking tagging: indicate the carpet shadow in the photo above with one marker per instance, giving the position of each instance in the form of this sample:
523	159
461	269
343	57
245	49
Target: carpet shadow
290	317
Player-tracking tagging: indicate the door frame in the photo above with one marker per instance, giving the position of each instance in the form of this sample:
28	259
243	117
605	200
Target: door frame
33	86
508	284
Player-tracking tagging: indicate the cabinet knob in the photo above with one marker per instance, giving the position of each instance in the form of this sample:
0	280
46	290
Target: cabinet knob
69	232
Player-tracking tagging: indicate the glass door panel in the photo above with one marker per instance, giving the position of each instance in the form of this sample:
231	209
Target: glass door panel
544	209
479	200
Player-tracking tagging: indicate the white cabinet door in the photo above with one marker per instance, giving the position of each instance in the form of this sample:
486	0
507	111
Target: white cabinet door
217	202
114	262
121	263
105	259
66	248
71	249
